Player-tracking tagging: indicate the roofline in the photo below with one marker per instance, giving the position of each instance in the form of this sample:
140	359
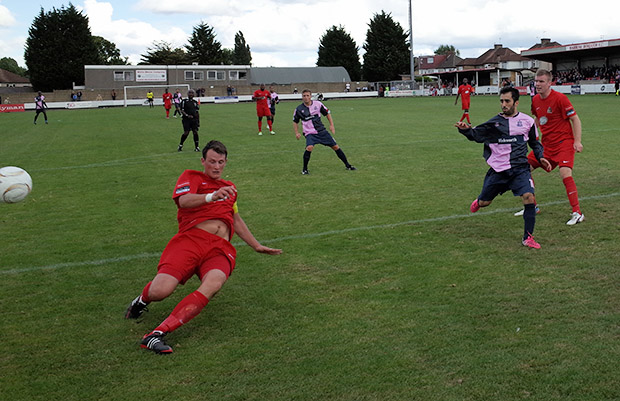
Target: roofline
571	47
168	67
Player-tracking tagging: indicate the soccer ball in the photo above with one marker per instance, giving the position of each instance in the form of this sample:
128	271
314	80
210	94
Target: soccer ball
15	184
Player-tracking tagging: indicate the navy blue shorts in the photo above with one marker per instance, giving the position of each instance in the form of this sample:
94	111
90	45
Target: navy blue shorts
519	181
321	138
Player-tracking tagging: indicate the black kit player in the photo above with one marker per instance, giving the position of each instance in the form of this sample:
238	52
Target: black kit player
191	119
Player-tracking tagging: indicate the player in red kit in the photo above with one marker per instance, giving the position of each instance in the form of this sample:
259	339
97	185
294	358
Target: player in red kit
261	97
465	91
167	96
560	127
208	217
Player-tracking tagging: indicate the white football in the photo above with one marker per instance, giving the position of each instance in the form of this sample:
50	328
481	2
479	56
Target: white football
15	184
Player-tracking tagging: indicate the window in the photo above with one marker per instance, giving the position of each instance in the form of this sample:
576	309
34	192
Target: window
194	75
237	75
123	76
216	75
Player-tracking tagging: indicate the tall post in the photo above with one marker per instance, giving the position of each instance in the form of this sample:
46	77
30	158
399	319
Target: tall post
411	44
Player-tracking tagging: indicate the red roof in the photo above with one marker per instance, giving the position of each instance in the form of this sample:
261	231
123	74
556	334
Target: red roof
8	77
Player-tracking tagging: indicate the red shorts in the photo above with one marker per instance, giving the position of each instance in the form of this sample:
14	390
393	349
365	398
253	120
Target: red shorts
263	111
196	252
465	104
562	155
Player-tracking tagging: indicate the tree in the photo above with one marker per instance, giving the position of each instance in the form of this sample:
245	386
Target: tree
241	54
227	56
9	64
337	48
203	48
162	53
387	49
58	46
108	53
447	49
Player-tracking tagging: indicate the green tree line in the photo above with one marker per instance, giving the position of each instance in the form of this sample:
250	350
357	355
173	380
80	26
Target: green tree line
60	43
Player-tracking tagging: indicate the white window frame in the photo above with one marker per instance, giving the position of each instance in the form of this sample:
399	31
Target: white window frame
126	76
194	75
216	75
237	75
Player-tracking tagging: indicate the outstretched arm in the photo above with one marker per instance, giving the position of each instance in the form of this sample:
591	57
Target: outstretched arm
242	230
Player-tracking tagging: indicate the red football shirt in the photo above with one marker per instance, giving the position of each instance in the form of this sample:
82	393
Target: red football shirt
167	100
197	182
465	92
261	102
553	115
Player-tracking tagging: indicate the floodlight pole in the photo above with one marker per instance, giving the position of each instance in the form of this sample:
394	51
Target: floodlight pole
411	43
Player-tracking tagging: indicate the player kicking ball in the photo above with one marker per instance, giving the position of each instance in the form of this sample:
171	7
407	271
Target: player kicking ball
506	138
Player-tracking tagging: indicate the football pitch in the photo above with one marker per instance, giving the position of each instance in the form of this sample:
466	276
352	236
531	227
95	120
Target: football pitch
388	288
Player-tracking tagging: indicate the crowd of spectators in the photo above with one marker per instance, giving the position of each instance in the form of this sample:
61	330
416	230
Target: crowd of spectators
610	74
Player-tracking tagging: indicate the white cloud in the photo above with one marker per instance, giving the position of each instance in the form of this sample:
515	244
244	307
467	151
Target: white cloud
6	17
131	37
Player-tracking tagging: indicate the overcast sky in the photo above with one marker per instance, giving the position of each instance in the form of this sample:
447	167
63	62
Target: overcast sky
286	33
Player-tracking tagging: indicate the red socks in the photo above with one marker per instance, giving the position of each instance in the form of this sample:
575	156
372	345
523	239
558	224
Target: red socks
260	125
145	293
571	192
186	310
465	115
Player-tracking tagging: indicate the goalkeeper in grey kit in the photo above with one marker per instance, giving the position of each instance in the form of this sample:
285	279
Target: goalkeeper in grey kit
191	119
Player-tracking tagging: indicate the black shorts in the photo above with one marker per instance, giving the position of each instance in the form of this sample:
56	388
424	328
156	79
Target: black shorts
190	124
323	138
273	111
519	181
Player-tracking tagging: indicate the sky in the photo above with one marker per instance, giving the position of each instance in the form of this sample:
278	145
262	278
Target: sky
286	33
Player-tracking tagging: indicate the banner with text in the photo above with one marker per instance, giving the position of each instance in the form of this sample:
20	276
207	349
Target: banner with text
9	108
151	76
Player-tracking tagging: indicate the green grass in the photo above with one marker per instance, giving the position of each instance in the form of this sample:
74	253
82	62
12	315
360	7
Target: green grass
388	289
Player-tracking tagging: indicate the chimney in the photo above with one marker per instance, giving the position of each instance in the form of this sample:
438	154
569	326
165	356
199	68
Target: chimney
497	46
545	41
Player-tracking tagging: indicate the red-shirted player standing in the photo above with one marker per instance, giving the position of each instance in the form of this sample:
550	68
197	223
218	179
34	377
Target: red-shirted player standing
208	217
167	96
262	108
560	127
465	91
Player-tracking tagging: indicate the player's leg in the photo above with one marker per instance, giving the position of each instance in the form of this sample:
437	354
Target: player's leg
260	125
342	157
161	287
214	271
36	115
307	154
183	138
529	220
270	124
573	197
45	116
494	184
534	164
465	115
195	125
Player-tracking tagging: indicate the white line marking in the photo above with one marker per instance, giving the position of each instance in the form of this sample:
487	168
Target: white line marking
292	237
